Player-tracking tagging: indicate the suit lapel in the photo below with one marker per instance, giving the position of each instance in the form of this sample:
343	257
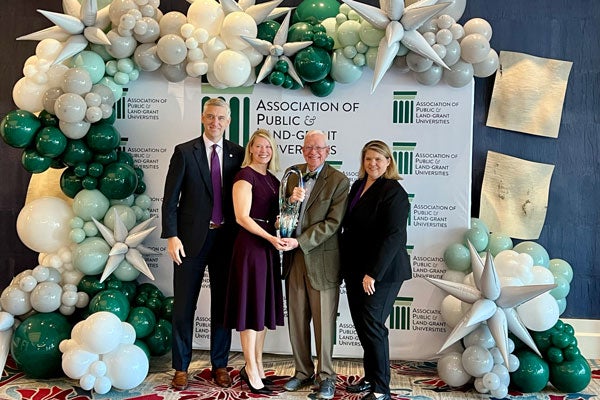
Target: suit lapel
319	185
202	161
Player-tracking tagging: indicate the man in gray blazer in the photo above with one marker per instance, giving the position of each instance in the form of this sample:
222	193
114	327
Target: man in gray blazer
198	223
312	268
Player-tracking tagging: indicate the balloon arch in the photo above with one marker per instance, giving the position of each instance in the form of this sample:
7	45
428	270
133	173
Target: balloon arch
91	251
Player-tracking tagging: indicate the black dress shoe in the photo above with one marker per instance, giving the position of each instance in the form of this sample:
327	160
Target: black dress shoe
361	386
262	390
371	396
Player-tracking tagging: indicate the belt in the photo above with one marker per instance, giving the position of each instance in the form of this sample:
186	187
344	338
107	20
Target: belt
266	221
212	225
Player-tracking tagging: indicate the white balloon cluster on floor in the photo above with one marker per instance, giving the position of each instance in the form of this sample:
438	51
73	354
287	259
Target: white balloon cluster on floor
101	354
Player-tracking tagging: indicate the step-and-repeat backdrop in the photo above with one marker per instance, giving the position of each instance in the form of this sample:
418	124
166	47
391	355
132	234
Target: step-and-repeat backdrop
428	128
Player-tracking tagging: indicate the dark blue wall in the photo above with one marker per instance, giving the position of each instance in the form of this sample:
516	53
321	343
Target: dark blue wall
558	29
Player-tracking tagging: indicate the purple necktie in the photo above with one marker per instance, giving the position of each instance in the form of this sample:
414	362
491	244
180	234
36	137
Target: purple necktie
215	175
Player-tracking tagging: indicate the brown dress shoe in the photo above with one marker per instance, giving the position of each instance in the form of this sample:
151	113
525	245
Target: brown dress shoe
180	380
221	377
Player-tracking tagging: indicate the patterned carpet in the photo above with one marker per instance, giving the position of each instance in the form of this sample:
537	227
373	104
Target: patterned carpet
410	380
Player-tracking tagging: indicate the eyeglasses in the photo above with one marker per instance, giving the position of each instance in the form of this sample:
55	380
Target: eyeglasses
211	117
308	149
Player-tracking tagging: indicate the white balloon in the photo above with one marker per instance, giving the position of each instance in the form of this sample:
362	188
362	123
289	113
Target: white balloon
451	371
128	334
102	385
474	48
478	25
49	98
46	297
74	130
232	68
451	310
151	33
213	47
15	301
28	283
418	63
460	74
127	366
87	381
540	313
541	275
172	22
455	9
120	46
171	49
76	362
100	332
43	224
477	360
98	368
481	337
77	80
70	107
235	25
452	53
27	95
174	73
431	77
48	49
7	320
207	14
146	58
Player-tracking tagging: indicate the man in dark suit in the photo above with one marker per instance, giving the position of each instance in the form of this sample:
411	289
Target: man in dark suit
312	268
198	223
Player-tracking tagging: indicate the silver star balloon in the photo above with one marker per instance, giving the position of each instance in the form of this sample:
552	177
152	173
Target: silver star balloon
259	12
278	50
491	303
126	245
80	25
400	24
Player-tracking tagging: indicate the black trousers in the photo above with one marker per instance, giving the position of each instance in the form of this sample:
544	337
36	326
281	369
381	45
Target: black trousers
187	282
369	313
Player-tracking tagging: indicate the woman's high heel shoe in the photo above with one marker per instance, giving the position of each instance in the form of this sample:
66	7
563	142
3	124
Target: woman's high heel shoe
244	377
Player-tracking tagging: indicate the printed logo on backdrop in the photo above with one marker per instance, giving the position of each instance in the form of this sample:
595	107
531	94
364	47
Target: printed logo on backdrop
403	153
401	314
408	110
335	164
140	108
404	107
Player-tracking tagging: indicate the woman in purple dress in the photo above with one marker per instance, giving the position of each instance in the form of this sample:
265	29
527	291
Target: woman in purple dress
254	294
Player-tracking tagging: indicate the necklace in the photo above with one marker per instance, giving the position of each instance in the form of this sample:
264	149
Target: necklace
269	183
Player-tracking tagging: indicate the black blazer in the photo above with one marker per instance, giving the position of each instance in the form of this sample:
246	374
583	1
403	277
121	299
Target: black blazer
188	196
374	233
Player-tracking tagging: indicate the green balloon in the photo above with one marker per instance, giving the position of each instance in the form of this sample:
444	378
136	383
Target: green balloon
102	138
125	157
300	32
166	311
498	242
533	372
312	63
571	376
89	183
267	30
320	39
70	183
76	152
90	256
159	341
562	288
128	288
18	128
282	66
95	169
142	345
277	78
35	344
80	169
535	250
91	285
314	11
48	119
106	158
110	300
118	181
543	340
143	321
323	87
560	267
457	257
478	238
92	63
34	162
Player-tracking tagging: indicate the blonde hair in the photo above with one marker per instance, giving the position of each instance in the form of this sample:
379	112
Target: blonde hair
262	133
380	147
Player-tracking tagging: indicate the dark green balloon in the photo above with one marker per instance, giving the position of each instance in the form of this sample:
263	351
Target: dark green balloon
312	63
89	183
142	345
571	376
128	289
80	170
320	39
300	32
91	285
139	172
50	142
314	11
106	158
125	157
70	183
166	311
533	372
95	169
143	321
267	30
57	164
118	181
323	88
35	344
282	66
34	162
102	138
288	83
159	341
48	119
277	78
19	127
76	152
110	300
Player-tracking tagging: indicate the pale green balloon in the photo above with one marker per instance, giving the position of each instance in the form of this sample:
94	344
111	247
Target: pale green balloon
535	250
560	267
128	201
76	222
478	238
371	56
90	229
369	34
343	70
116	89
457	257
126	214
478	223
562	305
143	200
90	203
126	272
499	242
562	288
90	256
139	212
77	235
348	33
92	62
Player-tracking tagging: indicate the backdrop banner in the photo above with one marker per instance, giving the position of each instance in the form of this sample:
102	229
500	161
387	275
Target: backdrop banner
428	128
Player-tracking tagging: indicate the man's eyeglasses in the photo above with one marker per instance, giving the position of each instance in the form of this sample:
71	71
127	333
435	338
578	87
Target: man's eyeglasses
308	149
211	117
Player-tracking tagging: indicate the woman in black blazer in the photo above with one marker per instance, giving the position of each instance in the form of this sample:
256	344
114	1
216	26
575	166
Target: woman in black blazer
374	260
